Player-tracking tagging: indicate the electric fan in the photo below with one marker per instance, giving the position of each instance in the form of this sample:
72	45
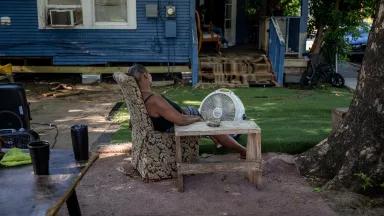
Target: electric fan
222	104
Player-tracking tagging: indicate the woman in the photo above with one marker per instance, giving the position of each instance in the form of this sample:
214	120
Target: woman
164	113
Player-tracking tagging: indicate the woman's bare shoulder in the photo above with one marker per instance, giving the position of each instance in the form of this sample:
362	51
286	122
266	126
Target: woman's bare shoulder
155	99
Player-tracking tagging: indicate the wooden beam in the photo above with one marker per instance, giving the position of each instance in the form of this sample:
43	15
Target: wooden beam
200	168
93	70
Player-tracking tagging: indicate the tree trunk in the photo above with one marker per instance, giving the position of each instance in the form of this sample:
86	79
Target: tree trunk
353	156
316	46
320	34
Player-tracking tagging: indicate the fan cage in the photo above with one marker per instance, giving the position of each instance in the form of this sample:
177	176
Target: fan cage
239	111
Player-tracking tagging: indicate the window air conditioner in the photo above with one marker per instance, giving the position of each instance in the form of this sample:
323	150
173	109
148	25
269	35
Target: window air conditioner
64	17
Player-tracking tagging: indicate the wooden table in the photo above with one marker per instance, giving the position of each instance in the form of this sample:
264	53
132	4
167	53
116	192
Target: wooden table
23	193
252	164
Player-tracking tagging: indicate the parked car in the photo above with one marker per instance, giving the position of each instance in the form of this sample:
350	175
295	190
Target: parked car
358	41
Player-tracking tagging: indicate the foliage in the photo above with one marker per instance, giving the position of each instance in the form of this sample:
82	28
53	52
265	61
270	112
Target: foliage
366	181
337	17
121	116
252	7
317	189
291	7
292	120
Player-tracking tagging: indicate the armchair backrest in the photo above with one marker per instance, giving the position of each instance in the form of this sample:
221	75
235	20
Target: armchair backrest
140	120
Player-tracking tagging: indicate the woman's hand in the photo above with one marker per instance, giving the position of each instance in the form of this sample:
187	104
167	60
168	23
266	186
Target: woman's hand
187	119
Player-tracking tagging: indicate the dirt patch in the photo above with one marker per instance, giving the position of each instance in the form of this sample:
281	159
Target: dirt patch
91	107
112	188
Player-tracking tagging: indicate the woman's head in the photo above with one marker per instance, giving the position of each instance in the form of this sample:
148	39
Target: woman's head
140	73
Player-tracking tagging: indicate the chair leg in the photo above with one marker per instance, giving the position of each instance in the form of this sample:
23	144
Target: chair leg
179	160
254	154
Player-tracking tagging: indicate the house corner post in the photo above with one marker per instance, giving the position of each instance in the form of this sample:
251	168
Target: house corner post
303	26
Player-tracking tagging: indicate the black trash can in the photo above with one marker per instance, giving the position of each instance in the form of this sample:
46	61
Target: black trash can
79	134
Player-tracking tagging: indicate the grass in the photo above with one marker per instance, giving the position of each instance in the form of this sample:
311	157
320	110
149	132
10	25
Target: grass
291	120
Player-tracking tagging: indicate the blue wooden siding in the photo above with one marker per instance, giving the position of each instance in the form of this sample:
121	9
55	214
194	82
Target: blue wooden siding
95	46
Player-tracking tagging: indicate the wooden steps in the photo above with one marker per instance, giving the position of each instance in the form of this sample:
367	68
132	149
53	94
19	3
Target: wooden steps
293	69
237	71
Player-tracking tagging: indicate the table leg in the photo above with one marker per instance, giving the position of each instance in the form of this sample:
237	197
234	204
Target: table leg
179	160
73	204
254	154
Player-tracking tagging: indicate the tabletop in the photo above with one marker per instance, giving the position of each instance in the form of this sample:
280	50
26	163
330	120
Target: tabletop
226	127
23	193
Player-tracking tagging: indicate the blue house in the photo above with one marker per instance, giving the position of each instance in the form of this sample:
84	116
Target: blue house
117	33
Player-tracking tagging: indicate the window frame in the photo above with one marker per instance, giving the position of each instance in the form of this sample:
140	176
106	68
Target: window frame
88	13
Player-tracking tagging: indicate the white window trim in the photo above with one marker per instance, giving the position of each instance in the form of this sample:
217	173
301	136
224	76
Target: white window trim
88	11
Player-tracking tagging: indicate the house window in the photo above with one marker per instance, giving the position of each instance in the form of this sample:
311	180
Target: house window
114	11
87	14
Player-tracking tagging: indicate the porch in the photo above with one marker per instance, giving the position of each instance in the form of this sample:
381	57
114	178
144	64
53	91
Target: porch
266	50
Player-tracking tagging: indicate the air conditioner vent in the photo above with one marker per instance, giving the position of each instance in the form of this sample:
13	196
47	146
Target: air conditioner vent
64	17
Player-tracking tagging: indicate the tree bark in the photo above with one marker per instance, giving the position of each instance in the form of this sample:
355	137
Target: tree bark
316	46
357	146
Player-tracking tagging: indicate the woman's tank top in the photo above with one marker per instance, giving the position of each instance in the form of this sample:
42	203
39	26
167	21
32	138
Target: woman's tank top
159	123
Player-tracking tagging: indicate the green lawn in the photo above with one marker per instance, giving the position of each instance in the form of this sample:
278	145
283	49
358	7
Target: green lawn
291	120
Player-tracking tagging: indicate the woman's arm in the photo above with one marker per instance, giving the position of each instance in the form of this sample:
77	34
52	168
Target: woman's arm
165	110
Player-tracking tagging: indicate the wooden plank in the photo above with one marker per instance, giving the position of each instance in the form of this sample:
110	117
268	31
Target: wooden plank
94	70
216	85
226	127
56	207
179	159
200	168
295	62
163	83
254	154
258	178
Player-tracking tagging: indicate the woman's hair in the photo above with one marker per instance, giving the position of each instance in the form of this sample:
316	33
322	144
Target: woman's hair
136	71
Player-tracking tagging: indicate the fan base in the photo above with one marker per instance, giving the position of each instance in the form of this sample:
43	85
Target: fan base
213	123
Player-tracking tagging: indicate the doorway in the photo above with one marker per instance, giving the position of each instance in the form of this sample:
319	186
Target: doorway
230	21
222	14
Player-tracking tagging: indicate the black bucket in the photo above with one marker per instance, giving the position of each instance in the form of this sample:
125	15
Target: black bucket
39	151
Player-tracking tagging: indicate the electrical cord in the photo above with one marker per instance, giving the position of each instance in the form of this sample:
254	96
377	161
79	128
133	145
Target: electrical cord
51	127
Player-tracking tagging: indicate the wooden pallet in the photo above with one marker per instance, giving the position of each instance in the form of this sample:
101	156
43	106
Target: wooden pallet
241	70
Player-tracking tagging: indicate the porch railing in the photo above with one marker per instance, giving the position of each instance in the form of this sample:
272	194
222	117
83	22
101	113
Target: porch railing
195	53
276	50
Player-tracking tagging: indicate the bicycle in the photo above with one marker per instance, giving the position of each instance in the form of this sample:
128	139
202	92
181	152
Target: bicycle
320	73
